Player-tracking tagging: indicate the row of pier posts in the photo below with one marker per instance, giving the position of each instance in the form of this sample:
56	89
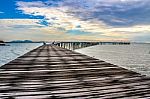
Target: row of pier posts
77	45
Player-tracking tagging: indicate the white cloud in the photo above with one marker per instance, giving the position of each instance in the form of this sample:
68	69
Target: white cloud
65	17
11	23
31	4
12	29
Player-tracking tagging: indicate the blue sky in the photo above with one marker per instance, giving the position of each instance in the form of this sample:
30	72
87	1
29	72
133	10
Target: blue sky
8	9
102	20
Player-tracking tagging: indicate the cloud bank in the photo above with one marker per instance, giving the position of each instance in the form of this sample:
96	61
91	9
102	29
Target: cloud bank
88	19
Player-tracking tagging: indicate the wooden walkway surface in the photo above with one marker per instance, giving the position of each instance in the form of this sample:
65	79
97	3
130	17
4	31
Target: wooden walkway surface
51	72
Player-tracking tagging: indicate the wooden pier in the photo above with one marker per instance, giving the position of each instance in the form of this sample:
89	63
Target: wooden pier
51	72
77	45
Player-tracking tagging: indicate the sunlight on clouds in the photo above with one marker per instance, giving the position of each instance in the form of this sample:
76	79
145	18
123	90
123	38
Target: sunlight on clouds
75	16
63	19
55	16
20	23
27	29
133	29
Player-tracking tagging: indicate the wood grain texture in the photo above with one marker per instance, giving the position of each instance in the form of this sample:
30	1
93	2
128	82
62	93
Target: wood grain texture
52	72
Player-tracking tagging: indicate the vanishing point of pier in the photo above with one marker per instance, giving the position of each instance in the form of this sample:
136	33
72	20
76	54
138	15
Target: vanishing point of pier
52	72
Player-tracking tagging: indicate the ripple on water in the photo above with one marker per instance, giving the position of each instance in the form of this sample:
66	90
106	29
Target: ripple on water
8	53
135	57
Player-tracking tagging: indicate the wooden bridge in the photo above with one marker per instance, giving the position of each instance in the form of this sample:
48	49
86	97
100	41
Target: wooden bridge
77	45
51	72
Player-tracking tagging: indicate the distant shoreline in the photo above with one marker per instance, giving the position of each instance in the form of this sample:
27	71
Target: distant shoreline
28	41
23	42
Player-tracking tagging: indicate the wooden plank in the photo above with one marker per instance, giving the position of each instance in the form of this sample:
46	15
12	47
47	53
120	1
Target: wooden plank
52	72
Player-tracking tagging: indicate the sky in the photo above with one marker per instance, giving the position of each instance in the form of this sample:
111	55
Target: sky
75	20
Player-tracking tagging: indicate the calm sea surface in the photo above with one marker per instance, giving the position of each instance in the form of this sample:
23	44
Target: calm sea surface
14	50
135	57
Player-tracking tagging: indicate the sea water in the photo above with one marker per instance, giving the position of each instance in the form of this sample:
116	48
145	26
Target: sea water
135	57
14	50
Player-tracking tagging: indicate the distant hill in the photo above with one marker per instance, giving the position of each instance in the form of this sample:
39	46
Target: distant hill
1	41
24	41
21	41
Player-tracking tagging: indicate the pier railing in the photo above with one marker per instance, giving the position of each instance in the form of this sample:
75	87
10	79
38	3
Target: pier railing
77	45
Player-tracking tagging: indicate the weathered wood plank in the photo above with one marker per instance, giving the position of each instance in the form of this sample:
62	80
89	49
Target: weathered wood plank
50	72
